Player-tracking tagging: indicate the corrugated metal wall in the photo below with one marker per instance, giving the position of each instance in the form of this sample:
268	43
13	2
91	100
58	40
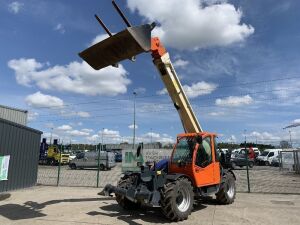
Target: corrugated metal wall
22	144
14	115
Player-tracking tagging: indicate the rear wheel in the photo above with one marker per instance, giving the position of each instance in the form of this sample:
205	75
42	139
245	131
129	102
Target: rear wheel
251	164
177	199
102	167
124	202
227	190
73	166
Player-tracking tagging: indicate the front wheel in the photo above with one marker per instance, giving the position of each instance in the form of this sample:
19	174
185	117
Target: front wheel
124	202
177	199
227	190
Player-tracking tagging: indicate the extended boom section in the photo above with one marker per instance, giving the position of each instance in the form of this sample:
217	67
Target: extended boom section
162	61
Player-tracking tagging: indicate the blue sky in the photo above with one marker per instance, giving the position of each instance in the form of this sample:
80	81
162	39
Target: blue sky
238	62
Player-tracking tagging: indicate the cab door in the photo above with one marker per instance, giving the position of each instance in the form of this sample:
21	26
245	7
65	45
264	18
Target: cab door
206	169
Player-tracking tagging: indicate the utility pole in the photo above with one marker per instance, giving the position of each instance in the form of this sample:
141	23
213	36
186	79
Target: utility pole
102	139
51	135
134	98
247	160
291	138
245	138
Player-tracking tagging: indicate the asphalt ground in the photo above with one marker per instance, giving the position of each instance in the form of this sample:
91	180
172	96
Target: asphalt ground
263	179
43	205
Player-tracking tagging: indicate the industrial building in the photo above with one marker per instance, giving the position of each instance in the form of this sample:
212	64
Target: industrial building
19	150
15	115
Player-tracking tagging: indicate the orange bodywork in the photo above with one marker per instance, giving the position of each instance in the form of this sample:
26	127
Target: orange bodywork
157	49
209	175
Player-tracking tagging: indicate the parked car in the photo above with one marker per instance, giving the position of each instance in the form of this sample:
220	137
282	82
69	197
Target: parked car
90	160
241	160
267	156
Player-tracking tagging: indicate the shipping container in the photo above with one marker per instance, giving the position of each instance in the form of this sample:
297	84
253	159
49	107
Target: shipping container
21	144
14	115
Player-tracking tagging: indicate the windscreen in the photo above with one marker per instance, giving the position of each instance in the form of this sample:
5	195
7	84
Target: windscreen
184	151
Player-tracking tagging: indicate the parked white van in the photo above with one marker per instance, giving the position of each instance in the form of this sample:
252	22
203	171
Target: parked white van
266	157
90	160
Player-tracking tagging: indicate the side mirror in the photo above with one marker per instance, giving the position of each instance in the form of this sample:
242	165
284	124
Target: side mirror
199	140
138	151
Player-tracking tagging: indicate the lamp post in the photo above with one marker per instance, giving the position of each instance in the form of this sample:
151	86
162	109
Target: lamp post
134	98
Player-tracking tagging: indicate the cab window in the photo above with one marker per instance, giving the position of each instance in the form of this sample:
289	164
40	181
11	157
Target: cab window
204	153
217	150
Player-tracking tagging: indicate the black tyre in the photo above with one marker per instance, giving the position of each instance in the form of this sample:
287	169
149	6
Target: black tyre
73	166
102	167
251	164
227	190
233	165
267	163
177	199
124	202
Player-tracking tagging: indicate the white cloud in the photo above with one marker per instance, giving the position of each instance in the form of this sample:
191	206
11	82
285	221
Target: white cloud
180	63
231	139
94	138
98	38
87	130
297	121
48	135
289	92
40	100
60	28
113	136
110	133
264	136
235	101
132	126
162	91
200	88
216	113
195	90
78	133
140	90
191	24
75	77
83	114
32	116
15	7
156	137
64	128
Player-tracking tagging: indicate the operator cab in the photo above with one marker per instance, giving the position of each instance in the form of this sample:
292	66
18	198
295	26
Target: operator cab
195	156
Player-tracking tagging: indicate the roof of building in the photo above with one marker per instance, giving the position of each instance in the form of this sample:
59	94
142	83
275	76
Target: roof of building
12	108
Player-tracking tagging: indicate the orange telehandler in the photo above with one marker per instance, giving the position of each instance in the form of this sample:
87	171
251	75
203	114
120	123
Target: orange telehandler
194	169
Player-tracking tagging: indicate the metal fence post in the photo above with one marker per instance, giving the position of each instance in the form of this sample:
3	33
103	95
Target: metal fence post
98	170
59	164
247	168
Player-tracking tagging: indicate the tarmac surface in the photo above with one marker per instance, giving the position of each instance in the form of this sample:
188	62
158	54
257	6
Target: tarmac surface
81	205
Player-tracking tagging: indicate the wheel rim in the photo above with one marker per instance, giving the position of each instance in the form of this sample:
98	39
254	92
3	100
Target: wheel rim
230	190
183	200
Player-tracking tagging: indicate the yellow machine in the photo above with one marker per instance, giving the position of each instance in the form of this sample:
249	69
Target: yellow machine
51	155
